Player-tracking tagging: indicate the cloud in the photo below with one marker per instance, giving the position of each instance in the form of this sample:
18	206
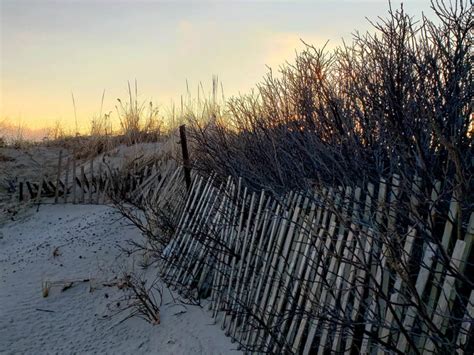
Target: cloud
281	47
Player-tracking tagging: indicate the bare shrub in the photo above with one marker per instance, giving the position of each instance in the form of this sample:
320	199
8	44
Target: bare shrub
397	100
393	107
141	298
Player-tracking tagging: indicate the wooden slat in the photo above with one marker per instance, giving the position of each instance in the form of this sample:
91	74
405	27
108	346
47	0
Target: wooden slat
74	200
243	264
98	182
30	190
196	246
378	262
458	263
257	275
91	181
207	263
394	308
287	272
66	180
172	249
466	326
188	248
448	229
220	270
229	240
339	267
282	249
236	246
439	271
267	256
227	322
421	281
309	255
197	219
327	236
83	185
20	191
58	176
324	271
359	230
318	256
40	188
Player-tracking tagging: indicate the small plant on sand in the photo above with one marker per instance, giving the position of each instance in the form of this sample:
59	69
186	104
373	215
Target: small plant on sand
45	286
141	298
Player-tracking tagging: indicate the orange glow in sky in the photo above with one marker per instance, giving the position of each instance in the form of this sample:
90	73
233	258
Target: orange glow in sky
50	49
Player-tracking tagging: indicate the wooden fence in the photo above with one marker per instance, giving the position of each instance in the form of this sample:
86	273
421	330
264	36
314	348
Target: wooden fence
329	272
94	182
334	271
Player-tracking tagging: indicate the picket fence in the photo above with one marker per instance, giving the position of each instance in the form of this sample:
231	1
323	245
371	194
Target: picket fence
94	182
304	273
313	273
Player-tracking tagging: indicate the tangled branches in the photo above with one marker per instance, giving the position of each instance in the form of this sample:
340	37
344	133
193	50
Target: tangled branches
396	100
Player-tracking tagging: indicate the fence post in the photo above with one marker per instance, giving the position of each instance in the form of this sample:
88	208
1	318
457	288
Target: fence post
91	182
74	182
83	183
66	181
20	191
30	190
184	149
40	187
56	192
98	183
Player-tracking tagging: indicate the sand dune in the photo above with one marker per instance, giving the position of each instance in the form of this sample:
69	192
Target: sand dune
66	242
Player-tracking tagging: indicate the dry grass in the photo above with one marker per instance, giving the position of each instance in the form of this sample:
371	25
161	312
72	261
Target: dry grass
140	122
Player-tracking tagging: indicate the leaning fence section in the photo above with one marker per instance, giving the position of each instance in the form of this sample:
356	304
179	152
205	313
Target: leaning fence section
95	181
333	271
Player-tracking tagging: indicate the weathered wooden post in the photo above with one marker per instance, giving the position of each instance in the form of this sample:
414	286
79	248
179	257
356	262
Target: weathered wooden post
184	150
91	182
56	192
66	181
83	183
74	182
98	184
40	187
20	191
30	190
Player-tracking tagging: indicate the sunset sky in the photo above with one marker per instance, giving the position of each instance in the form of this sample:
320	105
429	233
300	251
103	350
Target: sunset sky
52	48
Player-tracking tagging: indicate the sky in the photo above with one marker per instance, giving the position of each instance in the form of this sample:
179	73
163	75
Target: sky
50	50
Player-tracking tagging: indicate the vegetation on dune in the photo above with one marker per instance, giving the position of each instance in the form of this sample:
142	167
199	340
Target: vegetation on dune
394	105
395	100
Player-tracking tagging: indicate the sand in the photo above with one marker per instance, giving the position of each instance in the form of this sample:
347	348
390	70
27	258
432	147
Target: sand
30	162
86	240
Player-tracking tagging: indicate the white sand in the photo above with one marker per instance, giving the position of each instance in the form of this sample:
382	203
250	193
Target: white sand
87	237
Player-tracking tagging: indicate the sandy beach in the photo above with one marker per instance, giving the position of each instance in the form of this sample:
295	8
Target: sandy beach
63	243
